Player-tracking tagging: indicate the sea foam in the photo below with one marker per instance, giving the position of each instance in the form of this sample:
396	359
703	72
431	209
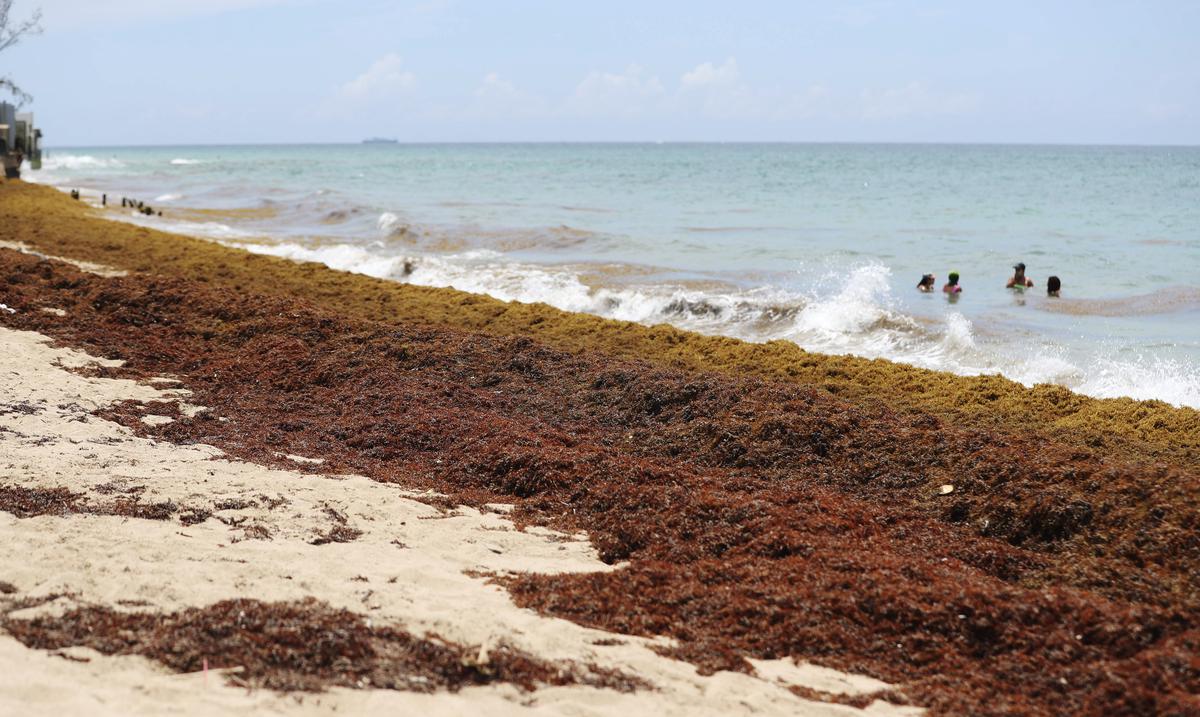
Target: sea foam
634	257
857	315
78	161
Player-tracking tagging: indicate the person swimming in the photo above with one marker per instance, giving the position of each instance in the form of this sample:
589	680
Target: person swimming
1019	280
952	286
926	283
1053	286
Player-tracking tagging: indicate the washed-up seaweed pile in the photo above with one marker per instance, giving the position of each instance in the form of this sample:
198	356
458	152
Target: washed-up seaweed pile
304	645
51	222
982	570
25	502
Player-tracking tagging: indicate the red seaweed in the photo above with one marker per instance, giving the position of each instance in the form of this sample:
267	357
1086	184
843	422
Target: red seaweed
304	645
758	518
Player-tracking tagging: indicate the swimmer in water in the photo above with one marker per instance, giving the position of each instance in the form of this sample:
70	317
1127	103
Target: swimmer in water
926	283
1019	280
952	286
1053	286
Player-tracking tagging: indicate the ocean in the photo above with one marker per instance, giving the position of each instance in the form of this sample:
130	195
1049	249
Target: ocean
817	244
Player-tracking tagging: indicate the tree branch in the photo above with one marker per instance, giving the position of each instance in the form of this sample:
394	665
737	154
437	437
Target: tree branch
21	96
10	35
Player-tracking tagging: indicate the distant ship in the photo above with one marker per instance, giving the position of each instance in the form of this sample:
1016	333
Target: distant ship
380	140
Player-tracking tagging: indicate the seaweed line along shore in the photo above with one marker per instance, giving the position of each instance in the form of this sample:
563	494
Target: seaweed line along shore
223	470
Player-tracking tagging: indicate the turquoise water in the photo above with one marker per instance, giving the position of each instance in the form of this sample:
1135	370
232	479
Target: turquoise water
817	244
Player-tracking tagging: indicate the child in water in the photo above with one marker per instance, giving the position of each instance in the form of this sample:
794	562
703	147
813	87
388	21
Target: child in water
952	286
1019	280
926	283
1053	286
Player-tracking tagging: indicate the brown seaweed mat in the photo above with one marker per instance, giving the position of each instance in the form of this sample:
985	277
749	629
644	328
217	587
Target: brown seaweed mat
52	222
305	645
759	519
28	502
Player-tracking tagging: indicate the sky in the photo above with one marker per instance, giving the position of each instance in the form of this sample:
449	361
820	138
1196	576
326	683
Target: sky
136	72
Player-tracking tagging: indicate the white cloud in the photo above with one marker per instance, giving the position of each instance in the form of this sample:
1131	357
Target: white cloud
495	87
718	91
605	93
707	75
713	92
386	78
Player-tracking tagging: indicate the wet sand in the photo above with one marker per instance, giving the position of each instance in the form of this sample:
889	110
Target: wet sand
726	508
1166	300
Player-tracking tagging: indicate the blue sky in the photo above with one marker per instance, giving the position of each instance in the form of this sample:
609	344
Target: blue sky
234	71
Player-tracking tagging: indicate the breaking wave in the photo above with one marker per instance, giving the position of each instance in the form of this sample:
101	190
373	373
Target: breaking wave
850	310
857	315
79	161
1143	378
208	230
394	227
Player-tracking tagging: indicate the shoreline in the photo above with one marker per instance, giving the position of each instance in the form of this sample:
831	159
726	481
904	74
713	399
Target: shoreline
734	506
410	566
853	302
41	217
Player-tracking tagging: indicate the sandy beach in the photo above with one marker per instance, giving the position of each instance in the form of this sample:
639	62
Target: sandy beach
234	484
409	565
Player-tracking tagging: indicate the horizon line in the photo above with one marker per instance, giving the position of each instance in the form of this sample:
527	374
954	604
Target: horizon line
402	143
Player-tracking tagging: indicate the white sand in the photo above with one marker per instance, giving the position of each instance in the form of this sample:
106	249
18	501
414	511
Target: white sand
407	569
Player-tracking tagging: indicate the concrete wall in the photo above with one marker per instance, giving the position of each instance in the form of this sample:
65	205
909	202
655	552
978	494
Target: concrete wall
8	116
27	134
